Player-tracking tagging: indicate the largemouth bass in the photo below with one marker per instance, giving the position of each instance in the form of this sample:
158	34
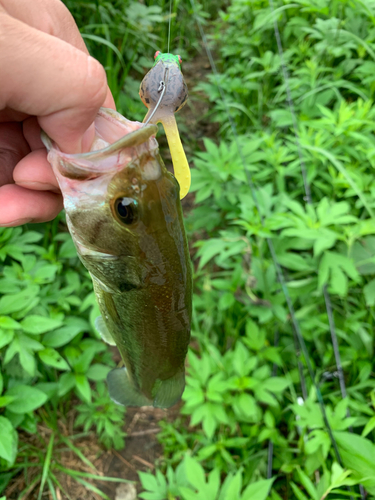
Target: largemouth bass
124	214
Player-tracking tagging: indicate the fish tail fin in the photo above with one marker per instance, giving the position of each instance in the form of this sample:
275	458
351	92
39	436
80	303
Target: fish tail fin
103	330
122	391
170	391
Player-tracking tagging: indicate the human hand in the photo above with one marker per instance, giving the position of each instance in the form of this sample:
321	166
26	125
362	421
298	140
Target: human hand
49	81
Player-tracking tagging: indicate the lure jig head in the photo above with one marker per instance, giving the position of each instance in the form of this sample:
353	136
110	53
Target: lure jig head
163	90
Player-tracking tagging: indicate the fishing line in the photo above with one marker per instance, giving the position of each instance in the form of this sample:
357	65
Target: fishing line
278	269
162	83
169	24
308	199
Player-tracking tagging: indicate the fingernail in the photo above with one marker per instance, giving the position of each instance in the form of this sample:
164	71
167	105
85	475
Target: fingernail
88	139
17	222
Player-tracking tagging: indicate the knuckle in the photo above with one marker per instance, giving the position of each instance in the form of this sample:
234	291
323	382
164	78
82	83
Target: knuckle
95	84
56	20
57	16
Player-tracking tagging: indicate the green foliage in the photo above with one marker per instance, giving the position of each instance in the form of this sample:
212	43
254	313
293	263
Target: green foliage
188	482
48	347
103	414
243	386
243	395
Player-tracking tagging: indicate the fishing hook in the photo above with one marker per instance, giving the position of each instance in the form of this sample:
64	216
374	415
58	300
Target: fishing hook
162	88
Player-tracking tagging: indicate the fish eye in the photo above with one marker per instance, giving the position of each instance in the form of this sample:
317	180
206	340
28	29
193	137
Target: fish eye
126	210
157	53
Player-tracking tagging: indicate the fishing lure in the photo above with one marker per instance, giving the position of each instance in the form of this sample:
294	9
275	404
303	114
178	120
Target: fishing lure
163	90
124	214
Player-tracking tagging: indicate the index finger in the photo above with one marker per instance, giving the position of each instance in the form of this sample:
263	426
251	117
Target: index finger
45	76
51	17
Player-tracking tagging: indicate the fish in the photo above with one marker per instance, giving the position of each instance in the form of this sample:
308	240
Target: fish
124	214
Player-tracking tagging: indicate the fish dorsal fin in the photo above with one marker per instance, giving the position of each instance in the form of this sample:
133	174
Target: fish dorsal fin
103	330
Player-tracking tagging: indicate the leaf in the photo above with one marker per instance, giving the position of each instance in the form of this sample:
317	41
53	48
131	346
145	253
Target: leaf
282	117
98	372
255	338
46	273
276	384
370	425
298	492
231	487
68	250
336	266
258	490
293	261
6	337
66	383
83	387
35	324
194	472
8	441
148	481
9	324
245	404
72	327
209	249
340	167
369	292
51	357
226	301
307	484
27	398
19	301
358	454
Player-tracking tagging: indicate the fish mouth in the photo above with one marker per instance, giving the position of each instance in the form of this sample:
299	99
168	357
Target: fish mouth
130	139
118	135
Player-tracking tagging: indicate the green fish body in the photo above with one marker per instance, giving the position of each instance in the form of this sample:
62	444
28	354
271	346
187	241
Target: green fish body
124	214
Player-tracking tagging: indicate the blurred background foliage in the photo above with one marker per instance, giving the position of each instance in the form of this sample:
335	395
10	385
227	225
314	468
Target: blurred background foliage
249	427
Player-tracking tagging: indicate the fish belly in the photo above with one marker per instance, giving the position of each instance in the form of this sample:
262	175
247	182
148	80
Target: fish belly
153	345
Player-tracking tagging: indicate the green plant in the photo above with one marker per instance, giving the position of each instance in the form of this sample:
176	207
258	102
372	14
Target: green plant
48	347
251	425
105	416
45	458
189	482
242	318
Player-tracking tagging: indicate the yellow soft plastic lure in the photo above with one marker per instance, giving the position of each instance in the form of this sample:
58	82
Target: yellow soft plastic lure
165	83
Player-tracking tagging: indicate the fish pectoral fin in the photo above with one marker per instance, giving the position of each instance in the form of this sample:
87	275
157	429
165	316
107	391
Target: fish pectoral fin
170	391
103	330
122	391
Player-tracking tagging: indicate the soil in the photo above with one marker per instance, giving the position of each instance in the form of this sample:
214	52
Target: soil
142	449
